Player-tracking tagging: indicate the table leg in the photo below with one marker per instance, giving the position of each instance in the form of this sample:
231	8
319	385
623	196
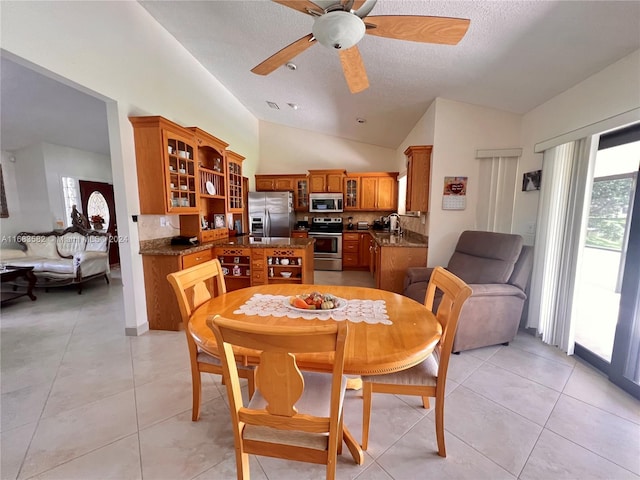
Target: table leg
31	278
353	446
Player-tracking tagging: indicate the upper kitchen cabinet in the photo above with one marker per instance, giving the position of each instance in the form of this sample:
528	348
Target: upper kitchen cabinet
234	181
379	191
166	165
326	181
371	191
418	177
275	183
352	192
212	178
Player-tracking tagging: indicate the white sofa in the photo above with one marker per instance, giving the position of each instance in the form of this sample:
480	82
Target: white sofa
72	256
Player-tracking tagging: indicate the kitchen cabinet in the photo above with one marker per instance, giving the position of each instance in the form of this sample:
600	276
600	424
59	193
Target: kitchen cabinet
212	188
379	191
234	182
418	177
236	265
244	267
299	234
355	250
301	194
166	165
326	181
163	312
390	265
352	192
275	183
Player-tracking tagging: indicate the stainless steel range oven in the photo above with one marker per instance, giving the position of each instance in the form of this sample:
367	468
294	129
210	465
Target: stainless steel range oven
327	249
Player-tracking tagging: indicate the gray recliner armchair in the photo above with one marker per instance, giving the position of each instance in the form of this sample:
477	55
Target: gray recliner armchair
497	267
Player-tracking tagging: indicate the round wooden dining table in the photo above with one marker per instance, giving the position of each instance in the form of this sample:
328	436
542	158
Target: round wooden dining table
371	349
406	339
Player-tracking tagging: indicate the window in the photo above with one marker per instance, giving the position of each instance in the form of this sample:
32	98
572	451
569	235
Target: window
70	192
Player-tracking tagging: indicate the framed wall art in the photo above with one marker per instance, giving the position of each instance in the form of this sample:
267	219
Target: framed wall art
531	181
218	221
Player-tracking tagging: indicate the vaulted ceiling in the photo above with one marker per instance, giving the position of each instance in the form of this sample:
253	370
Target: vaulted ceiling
514	56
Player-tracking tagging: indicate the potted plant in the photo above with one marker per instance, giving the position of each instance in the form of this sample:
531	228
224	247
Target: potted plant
97	221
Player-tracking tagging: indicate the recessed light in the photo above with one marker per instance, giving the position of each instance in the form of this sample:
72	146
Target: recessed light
361	120
291	66
273	105
293	105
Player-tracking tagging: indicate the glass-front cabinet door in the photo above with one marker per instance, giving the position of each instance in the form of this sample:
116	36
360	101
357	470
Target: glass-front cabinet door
351	193
301	194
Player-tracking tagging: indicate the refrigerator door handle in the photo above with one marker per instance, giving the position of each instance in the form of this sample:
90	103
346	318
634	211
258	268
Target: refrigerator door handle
267	222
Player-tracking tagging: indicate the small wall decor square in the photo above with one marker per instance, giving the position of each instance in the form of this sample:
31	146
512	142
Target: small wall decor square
454	195
531	181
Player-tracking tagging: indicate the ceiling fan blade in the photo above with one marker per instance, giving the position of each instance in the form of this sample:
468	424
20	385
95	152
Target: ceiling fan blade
354	71
444	30
299	5
363	8
284	55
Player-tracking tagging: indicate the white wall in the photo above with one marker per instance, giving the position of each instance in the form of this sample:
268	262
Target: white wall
293	150
60	161
118	52
610	92
11	224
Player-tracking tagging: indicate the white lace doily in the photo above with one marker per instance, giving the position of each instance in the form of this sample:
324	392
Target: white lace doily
356	311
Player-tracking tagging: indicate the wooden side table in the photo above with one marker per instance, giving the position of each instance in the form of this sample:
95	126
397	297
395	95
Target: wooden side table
9	274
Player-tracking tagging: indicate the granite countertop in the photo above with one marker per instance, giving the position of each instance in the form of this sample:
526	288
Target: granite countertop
162	246
407	239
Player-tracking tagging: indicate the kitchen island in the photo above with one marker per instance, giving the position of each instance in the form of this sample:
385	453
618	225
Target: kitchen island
246	261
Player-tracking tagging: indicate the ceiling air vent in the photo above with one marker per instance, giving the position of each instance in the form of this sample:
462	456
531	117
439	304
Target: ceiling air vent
273	105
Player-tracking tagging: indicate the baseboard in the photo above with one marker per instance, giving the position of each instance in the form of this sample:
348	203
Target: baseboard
136	331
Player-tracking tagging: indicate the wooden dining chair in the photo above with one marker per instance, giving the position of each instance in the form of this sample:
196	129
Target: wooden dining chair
194	286
427	379
292	415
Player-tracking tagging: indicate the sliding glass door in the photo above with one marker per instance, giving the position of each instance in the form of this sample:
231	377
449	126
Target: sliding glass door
607	328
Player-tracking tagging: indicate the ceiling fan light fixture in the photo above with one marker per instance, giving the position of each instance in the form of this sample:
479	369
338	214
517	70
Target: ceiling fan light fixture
339	30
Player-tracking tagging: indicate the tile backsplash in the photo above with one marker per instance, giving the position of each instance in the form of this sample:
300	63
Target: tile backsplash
149	226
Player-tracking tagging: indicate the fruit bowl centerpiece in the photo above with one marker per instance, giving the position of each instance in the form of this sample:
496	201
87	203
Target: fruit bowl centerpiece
316	301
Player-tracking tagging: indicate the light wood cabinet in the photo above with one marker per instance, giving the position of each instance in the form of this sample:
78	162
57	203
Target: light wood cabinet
355	250
244	267
167	169
352	192
326	181
418	177
301	194
212	188
379	191
275	183
371	191
234	182
163	312
391	264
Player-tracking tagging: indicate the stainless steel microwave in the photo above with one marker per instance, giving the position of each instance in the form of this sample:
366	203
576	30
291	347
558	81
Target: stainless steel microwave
325	202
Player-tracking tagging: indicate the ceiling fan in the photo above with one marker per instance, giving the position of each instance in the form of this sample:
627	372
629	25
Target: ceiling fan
340	24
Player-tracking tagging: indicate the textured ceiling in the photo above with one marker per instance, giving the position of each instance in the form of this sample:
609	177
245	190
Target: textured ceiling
515	56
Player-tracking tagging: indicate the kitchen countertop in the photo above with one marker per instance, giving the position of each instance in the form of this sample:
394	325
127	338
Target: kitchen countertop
386	239
162	246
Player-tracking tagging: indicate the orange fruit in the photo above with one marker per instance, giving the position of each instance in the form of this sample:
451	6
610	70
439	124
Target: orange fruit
299	303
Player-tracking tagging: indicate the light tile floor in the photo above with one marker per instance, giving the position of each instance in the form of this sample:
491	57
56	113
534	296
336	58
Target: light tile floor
82	401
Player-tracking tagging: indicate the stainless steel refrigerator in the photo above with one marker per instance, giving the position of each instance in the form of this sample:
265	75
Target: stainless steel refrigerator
271	214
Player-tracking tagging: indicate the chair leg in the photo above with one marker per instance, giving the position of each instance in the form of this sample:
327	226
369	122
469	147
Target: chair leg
340	429
197	393
367	392
242	464
442	451
425	403
251	383
106	278
506	344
